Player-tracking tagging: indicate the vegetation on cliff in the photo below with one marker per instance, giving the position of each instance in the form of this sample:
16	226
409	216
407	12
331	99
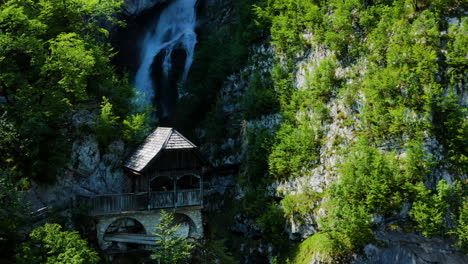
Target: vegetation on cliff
394	72
55	59
404	64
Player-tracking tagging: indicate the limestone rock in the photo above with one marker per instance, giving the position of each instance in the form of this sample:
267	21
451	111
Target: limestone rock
135	7
248	227
410	249
88	172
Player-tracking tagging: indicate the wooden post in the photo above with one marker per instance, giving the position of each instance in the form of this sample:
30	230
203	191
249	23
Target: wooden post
201	189
174	179
148	203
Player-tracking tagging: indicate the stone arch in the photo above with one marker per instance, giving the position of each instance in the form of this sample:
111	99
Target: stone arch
129	224
188	228
188	181
123	224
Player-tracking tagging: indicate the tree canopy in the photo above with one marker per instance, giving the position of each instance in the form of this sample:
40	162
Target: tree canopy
54	55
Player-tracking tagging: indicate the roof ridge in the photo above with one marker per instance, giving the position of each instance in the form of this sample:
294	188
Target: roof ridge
162	138
178	133
167	137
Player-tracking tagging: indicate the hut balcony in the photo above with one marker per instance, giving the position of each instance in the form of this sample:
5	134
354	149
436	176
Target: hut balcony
142	201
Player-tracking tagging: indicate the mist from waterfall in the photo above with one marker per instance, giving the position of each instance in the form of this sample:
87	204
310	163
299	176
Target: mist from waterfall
175	28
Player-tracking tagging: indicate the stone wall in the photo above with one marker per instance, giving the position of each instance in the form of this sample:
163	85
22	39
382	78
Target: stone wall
150	220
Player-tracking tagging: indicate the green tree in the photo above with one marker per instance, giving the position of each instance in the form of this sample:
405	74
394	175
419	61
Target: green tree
106	127
171	249
431	208
136	127
462	227
50	245
13	215
54	54
348	227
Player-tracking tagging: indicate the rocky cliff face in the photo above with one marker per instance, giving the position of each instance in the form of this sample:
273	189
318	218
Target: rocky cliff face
410	248
400	247
90	170
136	7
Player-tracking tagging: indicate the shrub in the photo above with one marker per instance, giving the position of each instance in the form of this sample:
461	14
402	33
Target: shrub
272	223
106	127
300	204
462	227
50	245
369	179
259	141
347	226
319	244
431	209
289	19
259	100
137	126
295	148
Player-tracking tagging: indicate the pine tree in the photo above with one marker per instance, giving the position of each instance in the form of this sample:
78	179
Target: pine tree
171	249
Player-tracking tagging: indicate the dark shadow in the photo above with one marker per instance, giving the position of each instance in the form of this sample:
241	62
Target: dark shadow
188	182
162	183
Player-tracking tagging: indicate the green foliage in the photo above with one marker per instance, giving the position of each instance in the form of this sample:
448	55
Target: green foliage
11	145
300	205
267	214
404	80
416	166
106	126
171	248
462	227
216	247
370	178
259	141
259	100
137	126
289	19
295	149
430	210
457	48
272	223
347	226
283	82
50	245
215	123
69	65
318	243
13	215
452	131
323	81
54	54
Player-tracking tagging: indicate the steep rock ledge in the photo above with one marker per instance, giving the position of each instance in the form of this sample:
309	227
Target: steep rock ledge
89	171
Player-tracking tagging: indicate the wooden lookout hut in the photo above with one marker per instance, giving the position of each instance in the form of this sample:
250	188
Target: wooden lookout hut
165	171
168	163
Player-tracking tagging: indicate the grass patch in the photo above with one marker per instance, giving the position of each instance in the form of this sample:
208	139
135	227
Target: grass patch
318	245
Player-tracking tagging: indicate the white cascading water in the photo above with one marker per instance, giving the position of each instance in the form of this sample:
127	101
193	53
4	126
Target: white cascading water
175	27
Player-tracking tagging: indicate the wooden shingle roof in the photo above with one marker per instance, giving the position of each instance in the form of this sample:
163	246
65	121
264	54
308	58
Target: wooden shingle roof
161	138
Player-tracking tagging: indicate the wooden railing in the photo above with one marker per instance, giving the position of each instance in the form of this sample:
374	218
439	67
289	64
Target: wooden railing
188	197
112	203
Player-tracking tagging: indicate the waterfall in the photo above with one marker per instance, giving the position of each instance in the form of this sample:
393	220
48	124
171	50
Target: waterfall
175	29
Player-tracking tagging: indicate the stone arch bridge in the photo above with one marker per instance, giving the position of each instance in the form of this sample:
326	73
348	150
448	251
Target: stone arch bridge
117	231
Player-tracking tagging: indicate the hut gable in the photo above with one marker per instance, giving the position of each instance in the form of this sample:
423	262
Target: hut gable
160	139
177	141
